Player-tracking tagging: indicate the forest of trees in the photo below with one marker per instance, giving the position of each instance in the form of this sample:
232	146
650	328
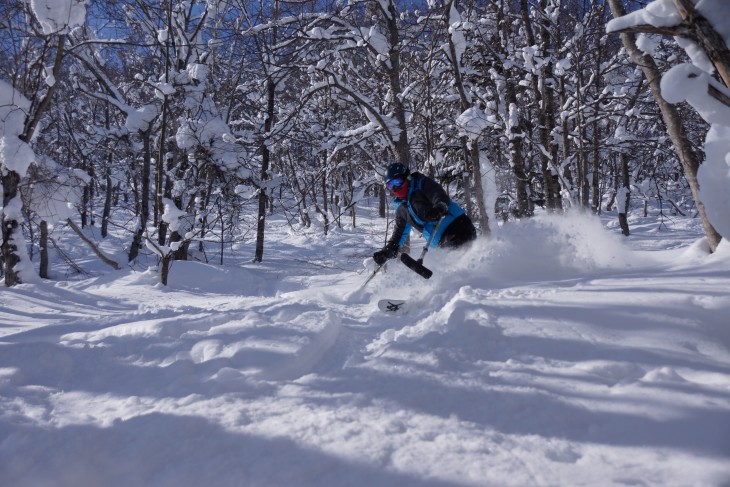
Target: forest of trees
186	123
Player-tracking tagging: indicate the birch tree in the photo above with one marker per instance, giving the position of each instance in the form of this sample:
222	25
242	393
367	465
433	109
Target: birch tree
675	128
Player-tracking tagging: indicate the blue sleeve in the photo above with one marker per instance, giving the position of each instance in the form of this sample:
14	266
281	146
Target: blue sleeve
404	237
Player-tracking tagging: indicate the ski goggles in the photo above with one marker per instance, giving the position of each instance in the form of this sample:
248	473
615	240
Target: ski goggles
395	183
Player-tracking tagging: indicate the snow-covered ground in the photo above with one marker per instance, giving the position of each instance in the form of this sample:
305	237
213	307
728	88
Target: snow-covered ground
555	353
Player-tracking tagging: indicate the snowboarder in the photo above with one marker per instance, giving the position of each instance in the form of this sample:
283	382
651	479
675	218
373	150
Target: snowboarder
421	203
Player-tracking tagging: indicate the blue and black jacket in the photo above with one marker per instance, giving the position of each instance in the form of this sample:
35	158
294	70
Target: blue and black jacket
424	195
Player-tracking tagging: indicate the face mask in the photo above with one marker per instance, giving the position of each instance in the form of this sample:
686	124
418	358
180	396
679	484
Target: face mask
401	191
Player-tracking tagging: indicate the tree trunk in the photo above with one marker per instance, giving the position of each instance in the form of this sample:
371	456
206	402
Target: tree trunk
567	174
596	167
265	153
545	106
261	221
318	209
325	200
626	183
551	169
469	145
614	183
159	180
144	204
43	244
514	140
583	186
106	213
165	268
476	171
402	145
597	139
12	233
85	198
161	156
465	181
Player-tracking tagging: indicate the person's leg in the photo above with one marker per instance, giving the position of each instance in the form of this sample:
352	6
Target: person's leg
459	232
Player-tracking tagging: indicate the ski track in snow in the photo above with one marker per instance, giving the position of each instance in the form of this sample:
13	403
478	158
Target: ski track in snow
619	376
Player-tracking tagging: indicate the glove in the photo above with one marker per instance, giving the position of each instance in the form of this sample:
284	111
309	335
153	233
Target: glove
381	256
437	212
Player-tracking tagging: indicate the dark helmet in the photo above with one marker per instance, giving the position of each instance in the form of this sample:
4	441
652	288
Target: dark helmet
395	171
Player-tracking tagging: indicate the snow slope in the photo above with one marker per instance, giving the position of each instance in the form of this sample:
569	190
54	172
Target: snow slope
554	353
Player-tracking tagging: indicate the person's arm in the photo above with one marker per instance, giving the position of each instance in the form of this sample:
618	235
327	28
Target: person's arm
400	232
401	228
438	198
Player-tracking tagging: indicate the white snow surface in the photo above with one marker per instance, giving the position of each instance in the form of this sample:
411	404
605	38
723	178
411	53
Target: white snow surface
553	353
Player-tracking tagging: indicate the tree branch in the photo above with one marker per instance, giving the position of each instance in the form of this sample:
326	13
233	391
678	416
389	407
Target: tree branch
718	95
93	246
668	30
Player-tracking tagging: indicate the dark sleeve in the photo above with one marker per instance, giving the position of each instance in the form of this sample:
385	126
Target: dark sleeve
401	224
435	193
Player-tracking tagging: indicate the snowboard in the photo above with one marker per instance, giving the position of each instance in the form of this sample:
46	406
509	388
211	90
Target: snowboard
395	306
